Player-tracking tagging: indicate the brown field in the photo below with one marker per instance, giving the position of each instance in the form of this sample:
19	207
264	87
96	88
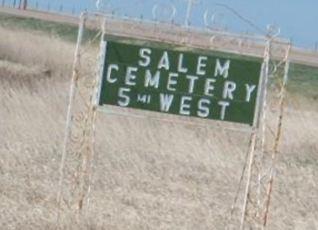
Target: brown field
147	174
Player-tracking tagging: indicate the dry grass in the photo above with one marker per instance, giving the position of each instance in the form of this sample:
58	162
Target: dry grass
147	174
42	51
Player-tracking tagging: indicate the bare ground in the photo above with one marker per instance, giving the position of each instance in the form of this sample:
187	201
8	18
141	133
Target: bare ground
147	174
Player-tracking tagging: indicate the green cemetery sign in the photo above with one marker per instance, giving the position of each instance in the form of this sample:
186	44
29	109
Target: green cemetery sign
182	83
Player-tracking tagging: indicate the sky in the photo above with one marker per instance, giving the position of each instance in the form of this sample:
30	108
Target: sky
296	19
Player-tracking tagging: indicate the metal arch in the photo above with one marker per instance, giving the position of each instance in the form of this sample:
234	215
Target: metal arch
239	16
164	8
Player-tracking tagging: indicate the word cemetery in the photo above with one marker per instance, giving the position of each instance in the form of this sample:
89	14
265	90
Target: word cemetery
183	83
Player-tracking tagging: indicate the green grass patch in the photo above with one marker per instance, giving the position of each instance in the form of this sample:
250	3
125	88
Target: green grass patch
303	80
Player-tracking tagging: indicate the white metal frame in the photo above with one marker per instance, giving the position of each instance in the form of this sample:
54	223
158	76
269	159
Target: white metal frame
259	113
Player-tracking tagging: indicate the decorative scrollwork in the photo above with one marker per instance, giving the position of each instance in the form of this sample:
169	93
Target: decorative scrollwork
215	41
102	5
273	31
79	118
213	20
164	12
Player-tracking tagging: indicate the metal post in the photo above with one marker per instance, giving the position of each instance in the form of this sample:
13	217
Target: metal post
89	132
277	135
251	151
94	102
73	86
100	67
263	119
253	137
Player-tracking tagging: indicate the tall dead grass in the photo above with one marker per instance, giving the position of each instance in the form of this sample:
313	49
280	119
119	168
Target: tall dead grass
147	174
36	49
